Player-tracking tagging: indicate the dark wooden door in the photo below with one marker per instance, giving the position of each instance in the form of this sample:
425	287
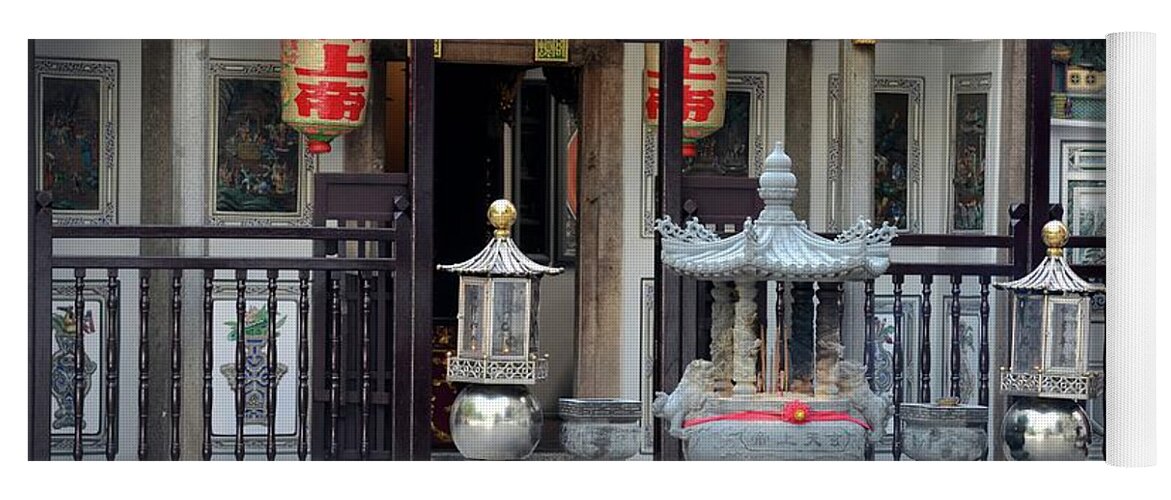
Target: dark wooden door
363	200
390	371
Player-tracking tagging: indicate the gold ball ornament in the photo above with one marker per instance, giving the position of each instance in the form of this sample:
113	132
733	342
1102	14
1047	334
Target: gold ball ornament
1055	235
502	214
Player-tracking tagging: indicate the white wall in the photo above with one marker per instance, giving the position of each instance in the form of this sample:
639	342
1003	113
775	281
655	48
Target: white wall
637	252
935	62
128	54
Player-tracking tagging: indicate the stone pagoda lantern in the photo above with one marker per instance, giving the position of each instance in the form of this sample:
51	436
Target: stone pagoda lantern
720	410
494	417
1047	374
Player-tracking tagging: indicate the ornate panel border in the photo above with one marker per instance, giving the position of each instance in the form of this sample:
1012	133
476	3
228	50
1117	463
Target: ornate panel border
913	87
223	358
252	70
106	73
97	327
1083	156
754	82
1086	216
963	84
646	359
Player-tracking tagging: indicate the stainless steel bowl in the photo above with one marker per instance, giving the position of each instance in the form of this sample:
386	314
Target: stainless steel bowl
495	422
1046	429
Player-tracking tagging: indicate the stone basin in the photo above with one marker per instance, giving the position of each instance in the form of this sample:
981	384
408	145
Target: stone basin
950	432
770	440
600	428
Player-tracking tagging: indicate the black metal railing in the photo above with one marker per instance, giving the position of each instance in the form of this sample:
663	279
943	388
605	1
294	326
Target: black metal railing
1021	263
332	269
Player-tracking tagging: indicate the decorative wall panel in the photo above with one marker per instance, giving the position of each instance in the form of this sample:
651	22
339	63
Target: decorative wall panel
77	138
898	152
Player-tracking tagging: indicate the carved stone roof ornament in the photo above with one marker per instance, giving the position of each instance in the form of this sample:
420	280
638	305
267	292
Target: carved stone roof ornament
776	246
501	257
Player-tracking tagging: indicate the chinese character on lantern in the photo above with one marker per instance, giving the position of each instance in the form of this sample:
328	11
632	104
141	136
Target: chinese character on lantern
323	87
704	84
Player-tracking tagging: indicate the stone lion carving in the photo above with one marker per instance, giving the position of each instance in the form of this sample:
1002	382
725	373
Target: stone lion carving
875	409
689	397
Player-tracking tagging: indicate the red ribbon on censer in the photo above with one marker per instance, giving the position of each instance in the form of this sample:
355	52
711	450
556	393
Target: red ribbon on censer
794	412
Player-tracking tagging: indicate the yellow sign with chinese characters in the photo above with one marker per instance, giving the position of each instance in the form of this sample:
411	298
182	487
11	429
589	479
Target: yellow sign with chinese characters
551	50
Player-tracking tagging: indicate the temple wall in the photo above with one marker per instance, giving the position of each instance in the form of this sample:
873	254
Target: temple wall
128	55
637	251
934	62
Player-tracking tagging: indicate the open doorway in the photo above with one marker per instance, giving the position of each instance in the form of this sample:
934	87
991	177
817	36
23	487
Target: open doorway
501	133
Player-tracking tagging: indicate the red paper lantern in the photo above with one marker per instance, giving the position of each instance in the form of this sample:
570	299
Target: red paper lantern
323	88
705	80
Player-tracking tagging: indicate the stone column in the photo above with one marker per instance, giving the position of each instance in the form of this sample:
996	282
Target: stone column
722	345
1013	179
747	346
189	158
799	119
856	67
157	200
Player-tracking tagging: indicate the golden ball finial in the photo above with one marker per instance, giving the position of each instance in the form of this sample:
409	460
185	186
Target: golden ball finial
1055	235
502	214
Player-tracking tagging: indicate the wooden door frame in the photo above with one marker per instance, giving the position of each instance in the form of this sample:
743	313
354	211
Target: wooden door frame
597	282
421	165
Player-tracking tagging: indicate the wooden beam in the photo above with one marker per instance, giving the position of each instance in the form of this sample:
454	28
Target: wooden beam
599	277
669	362
40	304
518	52
1037	99
422	172
798	119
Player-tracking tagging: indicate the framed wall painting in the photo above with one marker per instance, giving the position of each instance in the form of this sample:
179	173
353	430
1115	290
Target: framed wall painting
898	152
256	388
93	327
77	138
968	150
1086	216
1083	174
260	171
737	149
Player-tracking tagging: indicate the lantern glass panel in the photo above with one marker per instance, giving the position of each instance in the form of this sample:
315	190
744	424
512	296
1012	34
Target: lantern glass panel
1064	330
1027	334
510	318
471	340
